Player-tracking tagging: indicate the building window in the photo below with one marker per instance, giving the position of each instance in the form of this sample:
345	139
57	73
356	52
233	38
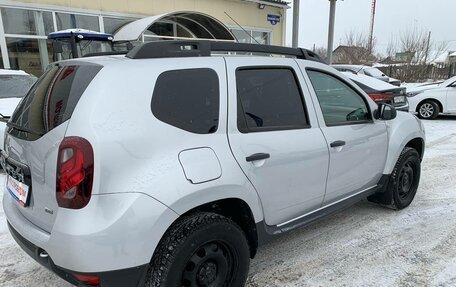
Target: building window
29	55
111	25
167	30
71	21
251	36
27	22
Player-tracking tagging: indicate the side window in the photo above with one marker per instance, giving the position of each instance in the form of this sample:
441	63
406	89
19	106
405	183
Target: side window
339	103
269	99
188	99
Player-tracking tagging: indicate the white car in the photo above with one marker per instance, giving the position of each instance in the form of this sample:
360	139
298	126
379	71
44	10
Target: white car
13	87
429	103
368	71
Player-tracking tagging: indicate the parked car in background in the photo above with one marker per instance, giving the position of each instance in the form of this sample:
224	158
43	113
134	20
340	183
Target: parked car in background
368	71
428	103
380	91
14	85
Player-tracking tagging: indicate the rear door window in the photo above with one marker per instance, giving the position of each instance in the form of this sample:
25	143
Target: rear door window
52	100
269	99
188	100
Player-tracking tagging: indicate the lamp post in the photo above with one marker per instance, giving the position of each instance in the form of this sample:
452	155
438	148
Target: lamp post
332	20
294	40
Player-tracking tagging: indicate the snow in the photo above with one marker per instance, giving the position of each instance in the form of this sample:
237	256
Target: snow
365	245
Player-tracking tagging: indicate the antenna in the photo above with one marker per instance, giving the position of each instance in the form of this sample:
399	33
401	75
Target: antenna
242	29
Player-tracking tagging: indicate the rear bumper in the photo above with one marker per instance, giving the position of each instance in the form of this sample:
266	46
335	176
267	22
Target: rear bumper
114	232
131	277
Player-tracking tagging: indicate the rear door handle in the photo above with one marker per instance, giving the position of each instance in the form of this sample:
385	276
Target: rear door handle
337	143
257	156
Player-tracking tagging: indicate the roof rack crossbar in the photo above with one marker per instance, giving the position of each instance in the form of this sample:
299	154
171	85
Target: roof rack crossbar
201	48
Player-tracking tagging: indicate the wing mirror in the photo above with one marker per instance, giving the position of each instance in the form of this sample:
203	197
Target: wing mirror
385	112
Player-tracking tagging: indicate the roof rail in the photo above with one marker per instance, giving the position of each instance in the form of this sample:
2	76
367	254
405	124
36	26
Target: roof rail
201	48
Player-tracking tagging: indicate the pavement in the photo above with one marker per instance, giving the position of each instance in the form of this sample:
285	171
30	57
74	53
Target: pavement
364	245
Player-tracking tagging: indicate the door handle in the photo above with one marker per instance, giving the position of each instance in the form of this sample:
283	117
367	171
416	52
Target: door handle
257	156
337	143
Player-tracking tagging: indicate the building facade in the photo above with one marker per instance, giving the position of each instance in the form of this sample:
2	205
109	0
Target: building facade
24	25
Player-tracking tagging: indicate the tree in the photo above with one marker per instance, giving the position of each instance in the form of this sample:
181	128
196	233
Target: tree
322	52
415	48
354	49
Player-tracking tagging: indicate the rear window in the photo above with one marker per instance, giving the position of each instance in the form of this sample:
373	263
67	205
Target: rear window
15	86
188	100
51	101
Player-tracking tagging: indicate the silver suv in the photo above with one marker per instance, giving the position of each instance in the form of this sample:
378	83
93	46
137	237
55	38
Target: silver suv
170	165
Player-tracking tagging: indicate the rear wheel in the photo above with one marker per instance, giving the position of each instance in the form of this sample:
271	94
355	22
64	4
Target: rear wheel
203	249
428	110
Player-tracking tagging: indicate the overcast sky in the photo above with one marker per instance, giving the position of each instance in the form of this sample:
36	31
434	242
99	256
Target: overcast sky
392	18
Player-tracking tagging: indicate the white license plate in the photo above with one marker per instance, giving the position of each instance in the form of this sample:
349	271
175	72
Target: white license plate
400	99
18	190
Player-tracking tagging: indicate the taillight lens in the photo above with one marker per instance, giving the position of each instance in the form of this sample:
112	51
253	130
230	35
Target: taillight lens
381	97
90	280
74	173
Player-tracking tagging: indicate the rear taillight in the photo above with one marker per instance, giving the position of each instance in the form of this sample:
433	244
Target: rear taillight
381	97
74	173
90	280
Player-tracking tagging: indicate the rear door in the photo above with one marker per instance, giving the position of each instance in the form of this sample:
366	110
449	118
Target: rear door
357	142
33	137
275	137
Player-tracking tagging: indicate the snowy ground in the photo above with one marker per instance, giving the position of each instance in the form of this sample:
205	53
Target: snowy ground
365	245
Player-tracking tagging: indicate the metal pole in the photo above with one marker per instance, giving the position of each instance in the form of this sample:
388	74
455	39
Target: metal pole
332	18
295	23
371	31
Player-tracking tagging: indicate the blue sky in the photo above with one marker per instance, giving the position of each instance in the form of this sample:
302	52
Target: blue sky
393	17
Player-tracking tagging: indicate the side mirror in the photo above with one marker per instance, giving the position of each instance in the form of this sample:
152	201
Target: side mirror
385	112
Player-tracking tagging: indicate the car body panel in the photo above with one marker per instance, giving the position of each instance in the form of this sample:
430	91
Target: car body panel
294	159
358	164
40	156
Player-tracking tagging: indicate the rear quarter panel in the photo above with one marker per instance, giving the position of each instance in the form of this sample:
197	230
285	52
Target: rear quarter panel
135	152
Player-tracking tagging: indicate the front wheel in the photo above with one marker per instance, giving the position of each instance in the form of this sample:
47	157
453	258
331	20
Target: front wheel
405	178
428	110
201	250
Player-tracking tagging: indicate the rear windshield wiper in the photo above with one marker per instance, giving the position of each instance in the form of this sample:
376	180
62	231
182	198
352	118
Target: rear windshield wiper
23	129
4	119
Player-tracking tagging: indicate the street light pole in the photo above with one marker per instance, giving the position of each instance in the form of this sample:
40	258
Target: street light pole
295	35
332	18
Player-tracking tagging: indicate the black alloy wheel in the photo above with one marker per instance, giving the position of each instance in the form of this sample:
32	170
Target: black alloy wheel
201	250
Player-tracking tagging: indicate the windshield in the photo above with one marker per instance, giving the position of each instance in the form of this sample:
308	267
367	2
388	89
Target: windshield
15	86
85	47
448	82
373	72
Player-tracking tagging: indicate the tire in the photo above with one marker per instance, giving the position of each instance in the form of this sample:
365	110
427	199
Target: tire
428	110
405	178
203	249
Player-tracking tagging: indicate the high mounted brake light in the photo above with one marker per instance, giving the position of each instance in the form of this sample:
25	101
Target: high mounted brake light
74	173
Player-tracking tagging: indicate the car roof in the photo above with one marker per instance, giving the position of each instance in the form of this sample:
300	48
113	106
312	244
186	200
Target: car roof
371	82
5	72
